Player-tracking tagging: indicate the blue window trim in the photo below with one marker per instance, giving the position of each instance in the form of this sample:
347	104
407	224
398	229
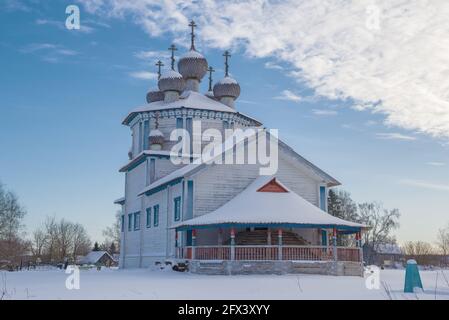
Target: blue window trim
146	132
136	221
179	123
177	208
130	221
323	198
148	210
122	223
156	215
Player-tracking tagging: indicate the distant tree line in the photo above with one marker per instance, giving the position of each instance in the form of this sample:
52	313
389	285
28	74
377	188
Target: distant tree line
55	241
383	222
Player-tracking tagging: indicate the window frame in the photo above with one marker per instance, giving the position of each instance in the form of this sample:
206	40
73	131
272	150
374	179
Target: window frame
148	212
156	215
137	221
177	210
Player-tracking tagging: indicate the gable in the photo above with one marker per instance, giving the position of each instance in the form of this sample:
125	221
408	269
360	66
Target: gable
272	186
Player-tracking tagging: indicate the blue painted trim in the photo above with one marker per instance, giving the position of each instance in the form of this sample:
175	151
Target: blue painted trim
189	214
163	186
177	208
323	198
148	222
348	229
156	215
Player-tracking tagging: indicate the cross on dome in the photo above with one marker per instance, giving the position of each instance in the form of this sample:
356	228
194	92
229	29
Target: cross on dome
192	25
159	65
172	49
227	55
210	69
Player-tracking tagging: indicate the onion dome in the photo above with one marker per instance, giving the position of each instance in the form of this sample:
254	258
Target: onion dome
192	65
154	94
156	138
227	87
171	81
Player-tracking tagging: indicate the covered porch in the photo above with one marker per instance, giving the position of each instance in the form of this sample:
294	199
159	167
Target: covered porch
268	243
269	227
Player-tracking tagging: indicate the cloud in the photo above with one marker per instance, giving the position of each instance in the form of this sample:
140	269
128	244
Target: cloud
49	52
394	136
143	75
436	164
324	112
84	26
289	96
425	184
152	55
273	66
387	56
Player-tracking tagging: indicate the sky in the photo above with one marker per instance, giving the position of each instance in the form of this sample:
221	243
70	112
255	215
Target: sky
360	88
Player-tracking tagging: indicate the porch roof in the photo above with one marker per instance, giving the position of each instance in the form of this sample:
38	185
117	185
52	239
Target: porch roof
260	207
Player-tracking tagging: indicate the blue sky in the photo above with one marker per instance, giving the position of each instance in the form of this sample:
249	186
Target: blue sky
64	93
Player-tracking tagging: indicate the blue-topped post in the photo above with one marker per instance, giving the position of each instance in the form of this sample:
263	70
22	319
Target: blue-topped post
279	244
334	243
193	243
412	277
232	244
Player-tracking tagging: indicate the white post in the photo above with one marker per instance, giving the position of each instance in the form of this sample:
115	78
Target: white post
232	244
334	243
193	243
279	244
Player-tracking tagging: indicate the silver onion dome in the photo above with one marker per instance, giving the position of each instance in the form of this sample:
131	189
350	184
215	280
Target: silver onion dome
227	87
192	65
154	94
156	137
171	81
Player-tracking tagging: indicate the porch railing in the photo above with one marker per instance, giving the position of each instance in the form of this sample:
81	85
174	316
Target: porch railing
304	253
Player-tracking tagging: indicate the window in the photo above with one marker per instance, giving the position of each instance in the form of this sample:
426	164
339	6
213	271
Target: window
323	198
152	169
177	207
179	123
130	221
156	215
140	137
122	222
148	217
136	220
189	128
146	132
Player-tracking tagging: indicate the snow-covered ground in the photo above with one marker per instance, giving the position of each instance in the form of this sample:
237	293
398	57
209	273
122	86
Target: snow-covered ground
151	284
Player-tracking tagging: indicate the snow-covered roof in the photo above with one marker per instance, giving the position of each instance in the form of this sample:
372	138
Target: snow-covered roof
188	169
388	248
256	207
93	257
120	200
188	99
144	154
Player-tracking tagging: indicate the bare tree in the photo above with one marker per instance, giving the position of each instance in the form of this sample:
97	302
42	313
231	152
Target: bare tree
421	251
382	222
39	241
81	241
12	245
112	233
443	243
